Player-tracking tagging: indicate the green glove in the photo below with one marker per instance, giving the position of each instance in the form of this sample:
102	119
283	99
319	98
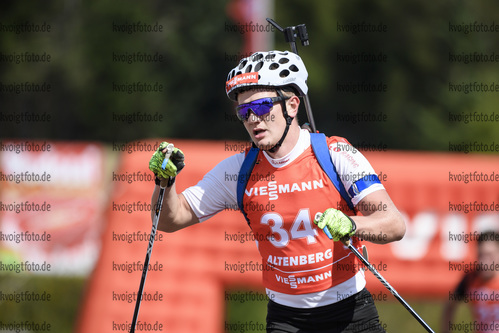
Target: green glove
338	224
173	167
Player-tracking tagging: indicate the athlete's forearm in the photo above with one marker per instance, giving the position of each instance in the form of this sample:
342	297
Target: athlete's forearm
175	212
380	227
167	209
380	222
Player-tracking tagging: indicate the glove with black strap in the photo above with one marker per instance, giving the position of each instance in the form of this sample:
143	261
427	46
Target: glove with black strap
172	168
338	224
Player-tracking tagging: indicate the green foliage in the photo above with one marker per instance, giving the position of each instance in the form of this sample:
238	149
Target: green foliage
196	51
417	71
83	43
61	295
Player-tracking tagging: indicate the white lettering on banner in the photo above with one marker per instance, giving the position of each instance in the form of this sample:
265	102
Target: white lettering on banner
426	227
418	236
484	222
273	189
452	224
61	165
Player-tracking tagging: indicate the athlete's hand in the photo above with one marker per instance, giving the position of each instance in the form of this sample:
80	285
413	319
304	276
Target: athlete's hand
338	224
173	167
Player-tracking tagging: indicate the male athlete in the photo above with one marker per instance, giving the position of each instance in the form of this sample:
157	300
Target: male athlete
314	284
480	288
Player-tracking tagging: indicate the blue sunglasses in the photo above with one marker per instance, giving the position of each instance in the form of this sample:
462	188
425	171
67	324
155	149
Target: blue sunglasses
259	107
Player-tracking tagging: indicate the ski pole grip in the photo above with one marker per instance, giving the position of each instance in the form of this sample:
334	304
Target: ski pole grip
168	153
346	241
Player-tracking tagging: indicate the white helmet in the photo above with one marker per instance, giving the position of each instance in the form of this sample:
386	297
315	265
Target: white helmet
273	68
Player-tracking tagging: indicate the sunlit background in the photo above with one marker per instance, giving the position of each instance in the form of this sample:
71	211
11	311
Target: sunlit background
414	85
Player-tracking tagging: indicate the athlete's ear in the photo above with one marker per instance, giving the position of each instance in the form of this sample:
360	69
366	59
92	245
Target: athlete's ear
292	106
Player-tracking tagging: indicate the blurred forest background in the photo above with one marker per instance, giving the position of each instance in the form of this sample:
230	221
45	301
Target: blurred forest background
198	51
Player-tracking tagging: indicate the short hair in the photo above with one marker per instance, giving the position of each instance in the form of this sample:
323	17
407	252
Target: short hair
287	91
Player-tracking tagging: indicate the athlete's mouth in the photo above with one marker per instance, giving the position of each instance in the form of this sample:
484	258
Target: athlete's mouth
258	132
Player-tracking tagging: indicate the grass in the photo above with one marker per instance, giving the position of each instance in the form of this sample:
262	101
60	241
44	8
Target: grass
245	311
58	307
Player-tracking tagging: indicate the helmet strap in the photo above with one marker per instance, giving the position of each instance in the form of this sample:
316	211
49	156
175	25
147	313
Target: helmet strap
289	120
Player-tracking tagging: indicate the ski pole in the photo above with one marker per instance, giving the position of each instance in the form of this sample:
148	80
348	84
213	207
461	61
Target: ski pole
382	280
159	204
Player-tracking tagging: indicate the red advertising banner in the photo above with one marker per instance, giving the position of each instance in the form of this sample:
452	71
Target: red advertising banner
52	199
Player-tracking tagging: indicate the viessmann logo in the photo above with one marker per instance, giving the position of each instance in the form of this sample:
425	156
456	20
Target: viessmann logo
273	189
241	79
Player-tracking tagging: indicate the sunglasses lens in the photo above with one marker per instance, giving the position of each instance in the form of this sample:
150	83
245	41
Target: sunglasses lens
259	107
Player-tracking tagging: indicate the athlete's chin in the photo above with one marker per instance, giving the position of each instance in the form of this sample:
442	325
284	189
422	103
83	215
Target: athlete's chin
264	144
264	140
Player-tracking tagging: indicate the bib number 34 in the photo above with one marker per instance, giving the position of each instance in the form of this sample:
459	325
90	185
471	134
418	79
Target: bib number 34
301	228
